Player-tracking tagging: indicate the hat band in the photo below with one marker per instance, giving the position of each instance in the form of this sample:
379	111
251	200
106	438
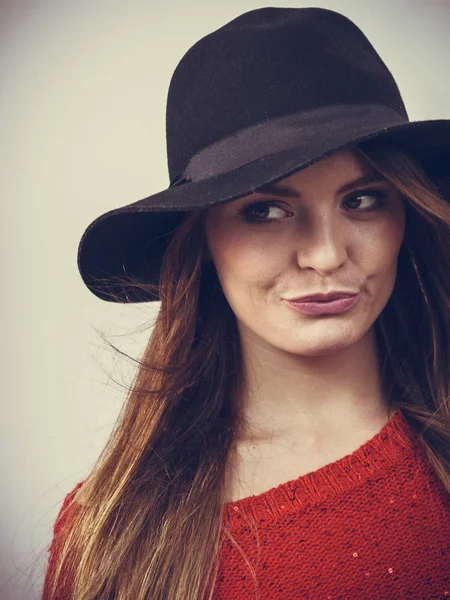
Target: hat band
302	129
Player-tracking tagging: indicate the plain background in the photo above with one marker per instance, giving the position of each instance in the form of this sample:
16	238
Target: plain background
82	131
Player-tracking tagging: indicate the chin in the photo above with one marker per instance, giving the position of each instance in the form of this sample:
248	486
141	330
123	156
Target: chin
320	344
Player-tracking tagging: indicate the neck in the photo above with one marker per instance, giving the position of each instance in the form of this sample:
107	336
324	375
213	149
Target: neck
286	394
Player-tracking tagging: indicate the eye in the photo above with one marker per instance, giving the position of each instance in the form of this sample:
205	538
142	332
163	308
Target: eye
250	215
257	212
377	196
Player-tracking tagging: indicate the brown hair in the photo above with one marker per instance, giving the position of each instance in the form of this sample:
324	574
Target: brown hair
150	521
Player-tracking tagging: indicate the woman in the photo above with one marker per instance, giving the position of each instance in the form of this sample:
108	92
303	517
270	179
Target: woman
271	446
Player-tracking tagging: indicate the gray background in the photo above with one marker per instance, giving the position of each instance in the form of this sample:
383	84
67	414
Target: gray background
82	121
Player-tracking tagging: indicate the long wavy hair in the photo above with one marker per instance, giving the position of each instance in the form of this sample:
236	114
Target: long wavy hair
147	521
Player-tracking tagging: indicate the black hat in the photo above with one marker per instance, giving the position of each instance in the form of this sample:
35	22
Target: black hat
269	93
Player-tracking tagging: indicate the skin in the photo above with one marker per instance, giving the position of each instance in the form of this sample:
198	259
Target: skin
309	377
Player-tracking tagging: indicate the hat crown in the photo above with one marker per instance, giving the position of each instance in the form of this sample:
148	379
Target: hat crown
269	63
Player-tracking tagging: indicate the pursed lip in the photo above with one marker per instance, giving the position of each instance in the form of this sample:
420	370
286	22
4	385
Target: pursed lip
328	297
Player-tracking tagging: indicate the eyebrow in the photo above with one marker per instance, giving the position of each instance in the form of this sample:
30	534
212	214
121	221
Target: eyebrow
278	190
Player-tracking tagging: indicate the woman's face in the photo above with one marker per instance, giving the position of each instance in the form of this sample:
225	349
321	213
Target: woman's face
308	237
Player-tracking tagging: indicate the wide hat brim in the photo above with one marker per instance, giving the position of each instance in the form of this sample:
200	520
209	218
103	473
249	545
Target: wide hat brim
130	241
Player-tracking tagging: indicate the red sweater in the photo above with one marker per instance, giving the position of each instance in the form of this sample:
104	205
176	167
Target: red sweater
373	524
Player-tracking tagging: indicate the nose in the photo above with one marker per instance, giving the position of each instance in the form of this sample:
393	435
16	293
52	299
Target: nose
323	244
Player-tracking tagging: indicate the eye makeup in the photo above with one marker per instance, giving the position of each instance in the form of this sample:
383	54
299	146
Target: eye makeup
247	212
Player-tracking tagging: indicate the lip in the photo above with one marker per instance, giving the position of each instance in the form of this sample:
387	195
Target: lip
324	308
328	297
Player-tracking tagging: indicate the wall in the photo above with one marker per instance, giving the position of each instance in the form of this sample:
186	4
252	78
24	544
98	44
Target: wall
82	121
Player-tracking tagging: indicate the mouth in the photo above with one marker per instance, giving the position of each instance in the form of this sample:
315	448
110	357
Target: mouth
327	297
336	306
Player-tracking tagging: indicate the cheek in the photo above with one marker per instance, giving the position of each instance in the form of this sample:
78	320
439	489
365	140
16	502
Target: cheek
244	259
382	246
379	260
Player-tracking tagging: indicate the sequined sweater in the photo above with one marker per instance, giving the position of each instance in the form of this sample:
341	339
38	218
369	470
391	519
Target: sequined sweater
373	524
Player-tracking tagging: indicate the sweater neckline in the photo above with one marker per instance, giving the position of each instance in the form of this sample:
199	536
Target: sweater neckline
395	441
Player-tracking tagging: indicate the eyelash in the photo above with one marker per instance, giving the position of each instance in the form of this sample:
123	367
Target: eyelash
247	214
